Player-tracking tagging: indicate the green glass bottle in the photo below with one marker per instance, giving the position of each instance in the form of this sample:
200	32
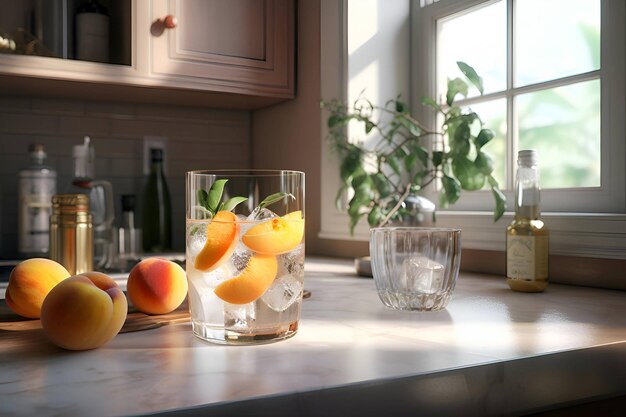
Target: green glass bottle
157	209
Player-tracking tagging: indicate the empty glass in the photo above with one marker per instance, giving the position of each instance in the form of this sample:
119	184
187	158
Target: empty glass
415	268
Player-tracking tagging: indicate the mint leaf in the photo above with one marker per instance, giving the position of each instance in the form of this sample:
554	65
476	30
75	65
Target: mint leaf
230	204
203	199
274	198
215	195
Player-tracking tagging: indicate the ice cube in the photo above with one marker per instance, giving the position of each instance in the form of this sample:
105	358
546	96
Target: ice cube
239	316
240	257
196	233
212	279
261	214
423	275
205	305
283	292
292	262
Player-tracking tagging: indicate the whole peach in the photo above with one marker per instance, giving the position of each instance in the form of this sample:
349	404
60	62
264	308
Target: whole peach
30	281
157	286
84	311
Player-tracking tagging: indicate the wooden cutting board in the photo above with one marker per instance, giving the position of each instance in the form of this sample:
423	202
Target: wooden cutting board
135	321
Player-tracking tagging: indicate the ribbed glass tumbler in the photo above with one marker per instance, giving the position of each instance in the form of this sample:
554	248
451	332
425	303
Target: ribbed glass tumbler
415	268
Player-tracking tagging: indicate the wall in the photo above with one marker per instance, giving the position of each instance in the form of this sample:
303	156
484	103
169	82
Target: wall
287	136
197	138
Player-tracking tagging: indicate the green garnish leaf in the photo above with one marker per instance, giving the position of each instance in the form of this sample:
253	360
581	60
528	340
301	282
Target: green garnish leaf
203	199
230	204
274	198
215	195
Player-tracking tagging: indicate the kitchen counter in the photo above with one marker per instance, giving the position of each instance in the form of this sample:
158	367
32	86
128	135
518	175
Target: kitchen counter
491	352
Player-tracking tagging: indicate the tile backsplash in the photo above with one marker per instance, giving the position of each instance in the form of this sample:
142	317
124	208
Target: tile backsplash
197	138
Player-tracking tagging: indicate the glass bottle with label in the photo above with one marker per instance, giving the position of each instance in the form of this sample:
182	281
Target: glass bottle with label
37	185
527	238
101	206
157	209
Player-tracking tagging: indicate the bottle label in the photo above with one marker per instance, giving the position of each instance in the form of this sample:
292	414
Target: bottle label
527	257
34	215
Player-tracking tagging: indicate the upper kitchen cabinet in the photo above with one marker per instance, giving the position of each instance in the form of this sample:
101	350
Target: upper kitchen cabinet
218	53
238	46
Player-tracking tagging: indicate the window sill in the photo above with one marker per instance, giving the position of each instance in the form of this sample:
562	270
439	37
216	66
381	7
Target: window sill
595	235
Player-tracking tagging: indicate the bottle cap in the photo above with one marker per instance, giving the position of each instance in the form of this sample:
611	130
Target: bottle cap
156	154
527	157
37	149
128	202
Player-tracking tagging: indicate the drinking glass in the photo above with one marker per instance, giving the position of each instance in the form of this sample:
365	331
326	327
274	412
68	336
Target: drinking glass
415	268
245	254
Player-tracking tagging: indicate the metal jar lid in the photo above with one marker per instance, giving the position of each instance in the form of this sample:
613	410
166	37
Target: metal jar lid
70	203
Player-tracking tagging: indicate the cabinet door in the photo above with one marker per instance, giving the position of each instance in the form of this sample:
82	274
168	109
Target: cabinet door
239	46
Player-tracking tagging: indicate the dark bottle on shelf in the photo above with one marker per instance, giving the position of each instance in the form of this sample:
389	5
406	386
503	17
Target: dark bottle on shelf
92	32
157	209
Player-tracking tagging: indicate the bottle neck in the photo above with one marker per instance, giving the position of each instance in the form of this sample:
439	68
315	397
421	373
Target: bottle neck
156	167
527	193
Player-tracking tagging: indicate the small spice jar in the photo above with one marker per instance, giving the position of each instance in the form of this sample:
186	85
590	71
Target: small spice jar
71	232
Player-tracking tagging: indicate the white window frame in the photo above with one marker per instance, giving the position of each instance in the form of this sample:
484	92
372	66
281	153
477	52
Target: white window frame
598	231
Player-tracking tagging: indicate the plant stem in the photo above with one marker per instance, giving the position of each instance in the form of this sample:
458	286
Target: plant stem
397	206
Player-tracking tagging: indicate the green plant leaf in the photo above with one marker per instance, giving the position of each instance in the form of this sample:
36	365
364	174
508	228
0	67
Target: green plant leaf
382	185
203	199
215	195
334	120
427	101
471	75
231	203
455	87
351	164
394	163
400	106
499	198
451	188
469	176
274	198
375	216
417	180
354	220
437	158
483	163
461	145
484	136
410	125
369	126
339	197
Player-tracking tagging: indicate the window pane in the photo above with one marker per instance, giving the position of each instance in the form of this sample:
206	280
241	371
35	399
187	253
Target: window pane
493	115
555	38
478	38
563	124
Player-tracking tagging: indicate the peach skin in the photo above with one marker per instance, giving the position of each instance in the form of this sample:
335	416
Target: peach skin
157	286
84	311
30	282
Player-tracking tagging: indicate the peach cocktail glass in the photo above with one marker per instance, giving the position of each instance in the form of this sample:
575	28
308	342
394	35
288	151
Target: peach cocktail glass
245	254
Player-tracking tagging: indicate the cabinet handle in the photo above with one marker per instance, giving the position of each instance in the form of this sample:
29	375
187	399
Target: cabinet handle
170	22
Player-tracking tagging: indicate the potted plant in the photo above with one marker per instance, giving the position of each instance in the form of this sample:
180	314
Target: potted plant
406	157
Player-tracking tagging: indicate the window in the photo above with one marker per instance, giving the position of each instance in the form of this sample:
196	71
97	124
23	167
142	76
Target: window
577	94
548	69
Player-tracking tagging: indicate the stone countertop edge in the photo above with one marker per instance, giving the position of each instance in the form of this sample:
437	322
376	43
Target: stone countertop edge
490	352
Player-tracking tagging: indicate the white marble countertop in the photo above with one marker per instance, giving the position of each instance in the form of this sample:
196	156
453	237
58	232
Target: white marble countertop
491	352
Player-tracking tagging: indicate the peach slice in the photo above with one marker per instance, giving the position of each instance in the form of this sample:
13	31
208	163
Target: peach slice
251	283
221	241
277	235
